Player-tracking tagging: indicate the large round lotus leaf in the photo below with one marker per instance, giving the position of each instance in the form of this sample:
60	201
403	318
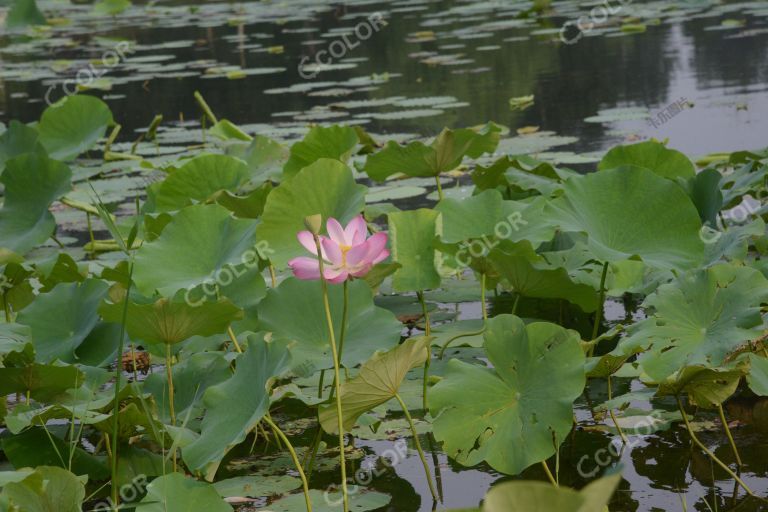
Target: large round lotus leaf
73	125
199	179
758	375
235	406
700	319
32	182
175	492
326	187
377	382
544	497
508	416
201	244
630	211
294	310
706	387
334	142
17	140
172	321
652	155
62	318
47	489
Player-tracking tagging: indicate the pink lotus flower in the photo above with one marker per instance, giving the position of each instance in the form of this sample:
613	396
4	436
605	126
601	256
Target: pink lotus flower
347	252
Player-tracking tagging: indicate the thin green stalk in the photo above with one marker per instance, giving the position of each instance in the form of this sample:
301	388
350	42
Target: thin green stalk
517	302
234	339
90	233
600	306
613	417
320	384
724	421
709	452
205	108
296	463
549	473
7	309
171	408
273	275
482	297
418	446
427	332
454	338
118	378
336	374
439	188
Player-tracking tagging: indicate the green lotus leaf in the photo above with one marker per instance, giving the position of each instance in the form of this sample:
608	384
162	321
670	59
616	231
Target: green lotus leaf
444	154
652	155
326	187
706	387
32	182
172	321
704	190
661	225
47	489
530	275
250	206
509	416
333	142
412	241
330	501
201	244
294	311
16	347
43	382
235	406
73	125
111	7
61	319
743	180
543	497
175	492
192	376
24	13
199	179
700	319
256	486
758	375
377	382
264	157
17	140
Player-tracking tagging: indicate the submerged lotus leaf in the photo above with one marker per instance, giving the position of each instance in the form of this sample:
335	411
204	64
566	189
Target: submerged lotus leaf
543	497
198	244
199	179
61	319
652	155
73	125
326	187
516	414
530	275
660	225
377	382
706	387
172	321
32	182
700	319
412	242
330	501
235	406
294	310
444	154
334	142
175	492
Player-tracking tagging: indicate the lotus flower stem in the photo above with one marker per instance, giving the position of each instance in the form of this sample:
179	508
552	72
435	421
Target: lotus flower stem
724	421
709	452
600	305
418	446
482	297
234	339
272	275
613	417
549	473
336	373
427	332
279	433
90	234
439	188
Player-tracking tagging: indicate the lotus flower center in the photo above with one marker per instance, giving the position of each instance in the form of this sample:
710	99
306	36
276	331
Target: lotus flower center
344	250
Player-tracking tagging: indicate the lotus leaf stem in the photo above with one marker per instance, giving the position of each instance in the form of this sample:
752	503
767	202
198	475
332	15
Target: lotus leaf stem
169	373
482	297
454	338
418	446
724	421
295	459
549	473
427	332
624	439
600	306
439	188
234	339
